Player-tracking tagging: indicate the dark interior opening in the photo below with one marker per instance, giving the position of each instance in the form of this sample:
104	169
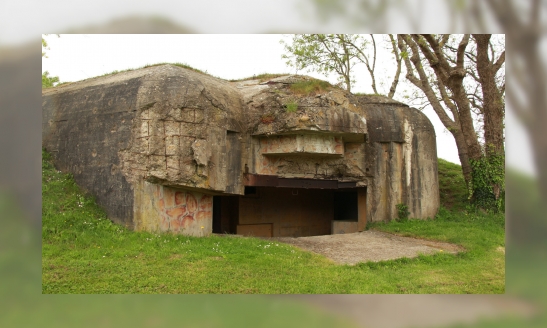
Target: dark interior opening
225	214
217	223
345	206
250	190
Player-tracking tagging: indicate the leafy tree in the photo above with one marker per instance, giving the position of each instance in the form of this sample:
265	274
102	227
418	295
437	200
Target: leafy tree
323	53
47	81
462	79
339	53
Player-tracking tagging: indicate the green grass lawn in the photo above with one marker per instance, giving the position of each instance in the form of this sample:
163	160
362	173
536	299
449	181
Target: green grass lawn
83	252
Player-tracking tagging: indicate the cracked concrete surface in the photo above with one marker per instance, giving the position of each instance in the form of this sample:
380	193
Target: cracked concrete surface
371	245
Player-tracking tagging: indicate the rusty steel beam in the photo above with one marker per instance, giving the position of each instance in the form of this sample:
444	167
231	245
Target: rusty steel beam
259	180
347	184
307	183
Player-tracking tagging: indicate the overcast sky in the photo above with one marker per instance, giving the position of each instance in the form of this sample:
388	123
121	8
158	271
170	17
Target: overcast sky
77	57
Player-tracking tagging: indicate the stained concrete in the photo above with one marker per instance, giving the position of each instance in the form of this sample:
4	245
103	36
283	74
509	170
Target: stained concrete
125	135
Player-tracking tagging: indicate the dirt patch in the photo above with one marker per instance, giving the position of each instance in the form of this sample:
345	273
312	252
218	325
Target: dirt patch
368	246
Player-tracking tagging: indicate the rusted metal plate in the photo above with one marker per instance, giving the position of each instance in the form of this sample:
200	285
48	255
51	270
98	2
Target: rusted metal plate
255	230
347	184
260	180
308	183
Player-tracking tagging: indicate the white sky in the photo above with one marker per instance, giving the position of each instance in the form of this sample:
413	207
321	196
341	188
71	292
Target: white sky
77	57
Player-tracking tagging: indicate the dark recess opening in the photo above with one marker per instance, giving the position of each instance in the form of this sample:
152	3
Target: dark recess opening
345	206
250	190
225	214
217	219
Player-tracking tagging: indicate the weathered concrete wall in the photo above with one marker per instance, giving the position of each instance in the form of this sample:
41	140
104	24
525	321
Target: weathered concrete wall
401	160
302	144
83	128
339	160
180	132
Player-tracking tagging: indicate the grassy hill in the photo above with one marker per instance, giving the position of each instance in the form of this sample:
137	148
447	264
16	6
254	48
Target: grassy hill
452	185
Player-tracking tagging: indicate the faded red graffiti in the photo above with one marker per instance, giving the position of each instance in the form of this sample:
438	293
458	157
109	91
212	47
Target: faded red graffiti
180	198
191	203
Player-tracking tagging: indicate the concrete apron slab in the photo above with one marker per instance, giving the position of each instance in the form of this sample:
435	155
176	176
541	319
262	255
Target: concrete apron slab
368	246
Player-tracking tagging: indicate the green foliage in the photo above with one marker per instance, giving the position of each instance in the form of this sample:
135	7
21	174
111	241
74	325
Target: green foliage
309	87
44	47
49	81
402	212
322	53
487	187
291	107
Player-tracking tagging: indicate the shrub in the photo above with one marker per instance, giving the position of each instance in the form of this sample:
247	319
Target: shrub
402	212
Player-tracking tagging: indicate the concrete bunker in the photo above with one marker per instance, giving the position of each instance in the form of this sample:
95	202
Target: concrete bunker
173	150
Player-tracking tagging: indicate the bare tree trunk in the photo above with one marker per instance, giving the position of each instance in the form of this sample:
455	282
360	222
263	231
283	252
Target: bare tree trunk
463	155
348	82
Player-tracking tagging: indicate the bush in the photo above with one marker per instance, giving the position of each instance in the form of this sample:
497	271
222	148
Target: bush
402	212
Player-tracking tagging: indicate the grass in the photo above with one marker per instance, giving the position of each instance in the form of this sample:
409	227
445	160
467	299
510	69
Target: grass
452	185
262	77
310	87
83	252
291	107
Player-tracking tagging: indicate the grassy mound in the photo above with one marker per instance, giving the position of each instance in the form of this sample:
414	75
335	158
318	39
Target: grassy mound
452	185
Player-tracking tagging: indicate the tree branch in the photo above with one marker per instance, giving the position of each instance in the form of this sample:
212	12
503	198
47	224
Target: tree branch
461	51
364	59
425	86
439	57
406	58
398	72
447	101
